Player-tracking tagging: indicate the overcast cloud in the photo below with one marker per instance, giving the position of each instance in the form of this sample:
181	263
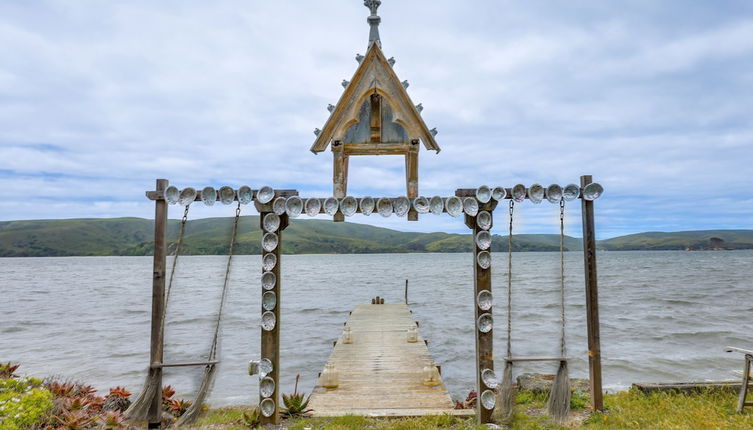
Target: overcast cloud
654	99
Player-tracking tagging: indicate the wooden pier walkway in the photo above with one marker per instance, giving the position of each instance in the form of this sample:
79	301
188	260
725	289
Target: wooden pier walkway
380	373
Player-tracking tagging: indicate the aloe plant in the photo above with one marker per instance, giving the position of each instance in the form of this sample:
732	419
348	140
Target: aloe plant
296	404
252	418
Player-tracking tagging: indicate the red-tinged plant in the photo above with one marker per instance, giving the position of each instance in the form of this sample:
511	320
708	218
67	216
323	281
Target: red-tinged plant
178	407
117	400
8	370
113	421
61	389
85	390
74	420
120	392
167	393
73	404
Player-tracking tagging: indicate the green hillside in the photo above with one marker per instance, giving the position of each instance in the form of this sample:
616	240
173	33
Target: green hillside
681	240
210	236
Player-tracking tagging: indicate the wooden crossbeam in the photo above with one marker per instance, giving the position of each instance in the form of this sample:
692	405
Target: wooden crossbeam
198	363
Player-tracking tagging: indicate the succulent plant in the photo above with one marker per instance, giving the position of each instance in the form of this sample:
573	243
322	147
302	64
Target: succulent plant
61	389
113	421
8	370
296	404
118	400
252	419
178	407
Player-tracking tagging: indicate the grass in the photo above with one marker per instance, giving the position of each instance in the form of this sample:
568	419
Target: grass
625	410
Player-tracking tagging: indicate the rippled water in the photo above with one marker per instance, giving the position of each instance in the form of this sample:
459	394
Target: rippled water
664	315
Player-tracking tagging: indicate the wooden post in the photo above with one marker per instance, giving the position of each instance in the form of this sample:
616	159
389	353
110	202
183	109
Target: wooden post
592	299
339	175
270	340
159	265
411	177
406	291
484	341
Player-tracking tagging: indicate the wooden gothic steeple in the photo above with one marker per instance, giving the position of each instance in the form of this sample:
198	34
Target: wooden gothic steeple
375	116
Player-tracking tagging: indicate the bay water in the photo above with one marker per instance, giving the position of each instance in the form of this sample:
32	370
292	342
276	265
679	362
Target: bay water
665	315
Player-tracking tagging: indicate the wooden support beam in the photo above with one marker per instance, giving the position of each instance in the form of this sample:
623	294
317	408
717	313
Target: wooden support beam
411	177
191	364
382	148
482	281
592	299
159	265
270	340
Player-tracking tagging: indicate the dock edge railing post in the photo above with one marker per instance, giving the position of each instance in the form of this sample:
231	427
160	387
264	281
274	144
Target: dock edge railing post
592	299
406	291
154	417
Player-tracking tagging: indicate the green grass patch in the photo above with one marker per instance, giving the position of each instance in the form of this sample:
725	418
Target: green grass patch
625	410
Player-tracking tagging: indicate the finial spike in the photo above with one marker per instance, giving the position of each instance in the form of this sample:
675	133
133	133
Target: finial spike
373	21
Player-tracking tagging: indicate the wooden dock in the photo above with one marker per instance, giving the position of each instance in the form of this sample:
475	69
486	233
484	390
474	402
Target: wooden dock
380	373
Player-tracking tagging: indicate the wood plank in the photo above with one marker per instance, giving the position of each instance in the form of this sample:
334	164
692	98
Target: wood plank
159	264
592	299
380	373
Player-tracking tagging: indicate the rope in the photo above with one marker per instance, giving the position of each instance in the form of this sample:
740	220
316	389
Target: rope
213	349
178	247
509	282
562	276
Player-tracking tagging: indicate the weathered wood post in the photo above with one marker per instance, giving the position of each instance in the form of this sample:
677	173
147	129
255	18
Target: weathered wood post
270	339
159	265
592	299
482	281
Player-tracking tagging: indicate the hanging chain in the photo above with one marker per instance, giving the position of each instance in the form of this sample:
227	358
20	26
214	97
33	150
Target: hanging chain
509	282
562	275
213	348
178	247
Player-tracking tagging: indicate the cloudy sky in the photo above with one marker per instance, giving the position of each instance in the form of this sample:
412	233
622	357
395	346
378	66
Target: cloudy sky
654	99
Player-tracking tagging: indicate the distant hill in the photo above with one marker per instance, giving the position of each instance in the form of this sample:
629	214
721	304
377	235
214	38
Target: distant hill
210	236
682	240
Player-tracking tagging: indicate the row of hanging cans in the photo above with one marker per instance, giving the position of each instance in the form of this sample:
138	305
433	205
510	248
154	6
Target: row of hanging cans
455	206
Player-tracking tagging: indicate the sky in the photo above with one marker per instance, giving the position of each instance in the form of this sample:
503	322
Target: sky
654	99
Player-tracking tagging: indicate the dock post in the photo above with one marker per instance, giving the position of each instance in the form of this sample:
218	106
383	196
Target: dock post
592	299
482	281
270	339
159	264
406	291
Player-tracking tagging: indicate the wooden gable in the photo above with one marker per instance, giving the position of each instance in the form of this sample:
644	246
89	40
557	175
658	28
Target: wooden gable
375	115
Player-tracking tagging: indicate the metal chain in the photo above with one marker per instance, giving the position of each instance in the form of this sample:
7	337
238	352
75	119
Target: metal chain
562	275
213	348
509	282
178	248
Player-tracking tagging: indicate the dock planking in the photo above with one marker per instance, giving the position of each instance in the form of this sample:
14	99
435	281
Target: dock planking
380	373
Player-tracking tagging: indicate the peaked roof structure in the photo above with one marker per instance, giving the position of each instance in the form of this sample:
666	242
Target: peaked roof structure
394	114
